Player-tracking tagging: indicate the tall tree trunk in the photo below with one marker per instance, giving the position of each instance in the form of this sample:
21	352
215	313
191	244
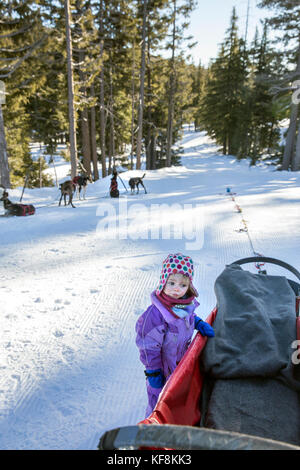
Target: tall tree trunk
102	107
296	159
4	169
85	127
224	150
290	138
132	104
93	138
142	84
112	122
86	143
270	137
111	148
149	113
171	94
72	121
291	134
153	150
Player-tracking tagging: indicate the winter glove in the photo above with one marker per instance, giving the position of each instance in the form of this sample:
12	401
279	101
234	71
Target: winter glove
204	328
155	378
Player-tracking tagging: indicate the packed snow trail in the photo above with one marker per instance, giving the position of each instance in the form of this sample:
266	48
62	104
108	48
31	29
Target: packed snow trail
70	297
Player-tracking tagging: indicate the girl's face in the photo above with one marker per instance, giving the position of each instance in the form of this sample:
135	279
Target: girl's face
177	286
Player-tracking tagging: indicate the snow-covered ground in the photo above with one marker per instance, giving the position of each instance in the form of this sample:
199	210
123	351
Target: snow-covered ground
73	282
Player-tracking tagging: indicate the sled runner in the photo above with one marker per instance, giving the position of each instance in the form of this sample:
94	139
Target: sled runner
240	389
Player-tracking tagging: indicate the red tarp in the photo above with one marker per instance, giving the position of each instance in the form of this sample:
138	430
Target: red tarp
179	400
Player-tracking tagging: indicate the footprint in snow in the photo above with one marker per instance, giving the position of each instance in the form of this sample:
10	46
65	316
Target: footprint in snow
17	377
58	334
58	307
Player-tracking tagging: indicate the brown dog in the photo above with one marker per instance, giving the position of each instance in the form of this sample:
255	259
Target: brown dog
67	189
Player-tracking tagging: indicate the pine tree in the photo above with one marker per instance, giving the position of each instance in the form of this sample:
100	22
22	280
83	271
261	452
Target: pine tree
286	19
157	27
145	13
22	37
71	92
105	38
48	106
152	22
176	38
224	97
199	77
116	29
86	65
212	113
101	15
264	114
120	78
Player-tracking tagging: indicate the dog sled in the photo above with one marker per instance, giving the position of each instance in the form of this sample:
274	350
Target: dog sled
240	389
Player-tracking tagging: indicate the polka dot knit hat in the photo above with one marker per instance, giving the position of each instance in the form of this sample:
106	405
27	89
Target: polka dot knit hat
177	264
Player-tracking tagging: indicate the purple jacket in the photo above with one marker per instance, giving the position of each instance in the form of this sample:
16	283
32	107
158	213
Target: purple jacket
162	338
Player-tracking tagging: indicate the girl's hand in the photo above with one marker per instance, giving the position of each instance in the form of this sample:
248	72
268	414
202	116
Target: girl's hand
155	377
204	327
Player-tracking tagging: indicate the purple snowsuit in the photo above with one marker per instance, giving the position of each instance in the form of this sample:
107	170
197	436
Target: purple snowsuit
162	339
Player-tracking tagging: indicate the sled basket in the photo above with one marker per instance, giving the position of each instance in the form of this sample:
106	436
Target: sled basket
241	388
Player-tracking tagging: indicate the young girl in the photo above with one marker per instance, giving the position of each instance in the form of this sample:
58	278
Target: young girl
165	329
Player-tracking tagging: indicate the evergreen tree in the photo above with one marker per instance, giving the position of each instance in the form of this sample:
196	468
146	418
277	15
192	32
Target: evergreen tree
86	66
176	38
48	106
157	27
105	38
199	77
22	36
286	20
263	112
224	97
144	15
71	91
115	21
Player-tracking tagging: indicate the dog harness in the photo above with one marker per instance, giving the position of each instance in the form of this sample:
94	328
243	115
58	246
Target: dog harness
27	209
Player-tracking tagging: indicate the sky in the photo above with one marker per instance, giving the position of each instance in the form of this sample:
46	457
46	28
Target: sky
210	20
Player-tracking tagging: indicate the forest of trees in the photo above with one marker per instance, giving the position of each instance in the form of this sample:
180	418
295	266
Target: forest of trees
113	77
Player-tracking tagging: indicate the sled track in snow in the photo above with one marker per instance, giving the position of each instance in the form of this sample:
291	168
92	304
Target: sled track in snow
114	312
